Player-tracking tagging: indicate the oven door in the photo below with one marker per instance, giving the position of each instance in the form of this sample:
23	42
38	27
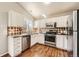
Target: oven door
50	38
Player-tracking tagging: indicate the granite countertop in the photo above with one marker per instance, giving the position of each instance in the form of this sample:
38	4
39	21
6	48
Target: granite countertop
19	35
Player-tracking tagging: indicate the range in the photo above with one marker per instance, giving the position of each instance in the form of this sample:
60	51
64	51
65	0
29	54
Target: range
50	38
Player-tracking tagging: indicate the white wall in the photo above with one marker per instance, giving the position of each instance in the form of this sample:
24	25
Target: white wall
4	8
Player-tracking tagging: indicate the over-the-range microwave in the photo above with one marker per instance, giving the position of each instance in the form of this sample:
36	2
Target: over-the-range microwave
51	25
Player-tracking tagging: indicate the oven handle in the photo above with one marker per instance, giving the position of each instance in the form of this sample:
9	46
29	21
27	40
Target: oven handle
50	35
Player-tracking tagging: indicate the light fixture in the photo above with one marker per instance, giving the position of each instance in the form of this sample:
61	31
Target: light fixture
44	15
47	2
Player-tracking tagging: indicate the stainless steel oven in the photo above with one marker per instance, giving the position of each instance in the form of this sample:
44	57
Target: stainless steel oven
50	38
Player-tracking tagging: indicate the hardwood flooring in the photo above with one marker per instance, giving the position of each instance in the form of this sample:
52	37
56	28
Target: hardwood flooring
39	50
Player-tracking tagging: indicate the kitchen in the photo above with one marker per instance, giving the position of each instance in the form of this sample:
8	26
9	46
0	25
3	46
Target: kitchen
27	36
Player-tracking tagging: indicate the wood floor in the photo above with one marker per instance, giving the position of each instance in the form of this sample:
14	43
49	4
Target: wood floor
40	50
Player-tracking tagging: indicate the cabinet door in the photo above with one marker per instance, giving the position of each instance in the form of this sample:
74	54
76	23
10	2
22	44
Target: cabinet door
36	24
59	41
65	39
62	21
42	23
70	43
33	39
41	38
59	21
17	46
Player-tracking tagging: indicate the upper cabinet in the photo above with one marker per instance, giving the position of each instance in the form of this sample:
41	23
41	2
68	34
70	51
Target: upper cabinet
42	23
61	21
36	24
15	19
64	21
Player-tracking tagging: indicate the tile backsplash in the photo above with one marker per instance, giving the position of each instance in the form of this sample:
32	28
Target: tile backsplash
14	30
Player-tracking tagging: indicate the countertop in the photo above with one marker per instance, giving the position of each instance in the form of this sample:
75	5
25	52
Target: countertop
19	35
35	34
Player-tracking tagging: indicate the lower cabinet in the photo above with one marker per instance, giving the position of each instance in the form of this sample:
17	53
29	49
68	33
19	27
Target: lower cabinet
34	39
41	38
37	38
64	42
14	46
59	41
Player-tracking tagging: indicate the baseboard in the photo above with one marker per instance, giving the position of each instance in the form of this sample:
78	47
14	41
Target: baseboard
3	54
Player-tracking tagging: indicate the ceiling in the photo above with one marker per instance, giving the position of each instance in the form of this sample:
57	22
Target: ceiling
40	10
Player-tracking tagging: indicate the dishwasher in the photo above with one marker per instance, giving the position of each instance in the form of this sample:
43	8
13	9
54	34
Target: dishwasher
25	42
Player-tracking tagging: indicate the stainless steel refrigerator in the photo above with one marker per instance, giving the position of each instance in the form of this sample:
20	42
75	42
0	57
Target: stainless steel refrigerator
75	33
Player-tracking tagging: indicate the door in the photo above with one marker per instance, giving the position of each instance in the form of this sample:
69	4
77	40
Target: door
3	34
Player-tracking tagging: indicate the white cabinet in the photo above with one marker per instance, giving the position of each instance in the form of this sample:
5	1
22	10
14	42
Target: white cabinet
59	41
61	21
67	42
70	41
15	19
36	24
42	23
14	46
41	38
37	38
34	39
64	42
64	21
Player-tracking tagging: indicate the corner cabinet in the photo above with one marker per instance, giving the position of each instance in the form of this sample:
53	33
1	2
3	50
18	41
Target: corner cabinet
14	46
34	39
37	38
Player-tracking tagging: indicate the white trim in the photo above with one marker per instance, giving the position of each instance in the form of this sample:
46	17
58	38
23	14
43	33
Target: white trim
3	54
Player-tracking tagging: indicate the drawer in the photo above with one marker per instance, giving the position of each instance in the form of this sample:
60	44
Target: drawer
15	40
18	49
18	38
16	43
17	52
17	46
